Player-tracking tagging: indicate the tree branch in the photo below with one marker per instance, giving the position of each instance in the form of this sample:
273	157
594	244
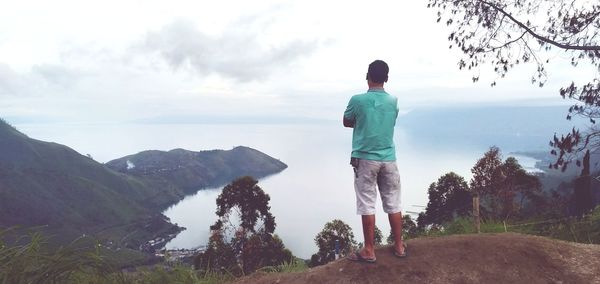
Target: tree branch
537	36
506	43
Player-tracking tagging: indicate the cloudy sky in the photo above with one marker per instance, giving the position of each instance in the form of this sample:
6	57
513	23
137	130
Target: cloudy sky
122	61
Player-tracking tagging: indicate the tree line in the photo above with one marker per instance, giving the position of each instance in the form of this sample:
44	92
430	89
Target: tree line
505	191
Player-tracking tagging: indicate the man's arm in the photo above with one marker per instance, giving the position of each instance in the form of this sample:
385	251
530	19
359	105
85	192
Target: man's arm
348	122
349	114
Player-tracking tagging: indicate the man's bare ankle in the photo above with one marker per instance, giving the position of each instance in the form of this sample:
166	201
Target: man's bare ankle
399	246
368	252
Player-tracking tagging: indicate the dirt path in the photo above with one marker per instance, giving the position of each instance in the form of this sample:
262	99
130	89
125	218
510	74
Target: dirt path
485	258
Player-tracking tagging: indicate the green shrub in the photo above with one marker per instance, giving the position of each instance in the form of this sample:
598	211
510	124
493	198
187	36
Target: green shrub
296	265
33	262
583	230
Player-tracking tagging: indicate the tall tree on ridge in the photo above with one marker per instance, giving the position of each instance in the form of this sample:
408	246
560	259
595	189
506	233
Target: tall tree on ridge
486	180
252	243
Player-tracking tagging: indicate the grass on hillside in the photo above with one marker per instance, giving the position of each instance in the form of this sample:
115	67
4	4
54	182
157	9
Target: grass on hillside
296	265
34	263
582	230
83	261
31	260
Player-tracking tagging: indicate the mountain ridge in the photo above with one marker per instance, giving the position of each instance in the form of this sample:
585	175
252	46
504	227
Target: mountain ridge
49	185
192	171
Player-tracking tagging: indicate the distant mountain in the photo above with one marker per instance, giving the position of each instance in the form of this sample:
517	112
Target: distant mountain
217	119
192	171
67	194
510	128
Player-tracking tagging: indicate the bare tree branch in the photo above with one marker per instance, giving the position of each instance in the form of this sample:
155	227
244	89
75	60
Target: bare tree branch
537	36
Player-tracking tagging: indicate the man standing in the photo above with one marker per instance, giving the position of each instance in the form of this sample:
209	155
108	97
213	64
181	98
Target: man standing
373	117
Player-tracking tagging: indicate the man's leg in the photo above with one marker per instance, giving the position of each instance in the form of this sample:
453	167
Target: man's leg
396	225
368	223
389	186
366	193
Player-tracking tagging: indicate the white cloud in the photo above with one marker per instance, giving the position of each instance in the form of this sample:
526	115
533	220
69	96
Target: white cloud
127	60
236	53
10	81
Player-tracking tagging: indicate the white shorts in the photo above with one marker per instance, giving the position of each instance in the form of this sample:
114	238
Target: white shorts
370	175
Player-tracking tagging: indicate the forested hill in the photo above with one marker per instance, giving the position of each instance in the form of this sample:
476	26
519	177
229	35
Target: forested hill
52	186
191	171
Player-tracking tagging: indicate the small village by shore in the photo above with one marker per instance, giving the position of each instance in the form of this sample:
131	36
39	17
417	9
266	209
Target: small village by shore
179	255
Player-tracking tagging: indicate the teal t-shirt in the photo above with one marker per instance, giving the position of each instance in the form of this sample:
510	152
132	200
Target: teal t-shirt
374	114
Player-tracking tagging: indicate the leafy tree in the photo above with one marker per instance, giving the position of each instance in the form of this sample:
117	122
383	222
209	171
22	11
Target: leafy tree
249	245
517	186
422	222
503	186
378	236
509	33
262	250
582	194
555	204
487	178
219	255
409	227
449	198
334	231
244	198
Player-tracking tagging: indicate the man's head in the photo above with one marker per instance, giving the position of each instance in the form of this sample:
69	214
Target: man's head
378	72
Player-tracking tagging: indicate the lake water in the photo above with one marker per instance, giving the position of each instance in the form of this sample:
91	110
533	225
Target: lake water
318	185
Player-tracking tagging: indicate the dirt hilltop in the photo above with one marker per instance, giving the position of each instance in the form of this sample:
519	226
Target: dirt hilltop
484	258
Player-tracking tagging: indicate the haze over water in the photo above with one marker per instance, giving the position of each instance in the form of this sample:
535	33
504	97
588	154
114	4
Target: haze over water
317	187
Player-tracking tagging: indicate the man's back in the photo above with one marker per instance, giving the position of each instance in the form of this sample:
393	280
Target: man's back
374	114
373	117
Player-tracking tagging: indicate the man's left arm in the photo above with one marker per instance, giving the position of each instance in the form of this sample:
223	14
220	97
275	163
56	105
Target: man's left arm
349	116
348	122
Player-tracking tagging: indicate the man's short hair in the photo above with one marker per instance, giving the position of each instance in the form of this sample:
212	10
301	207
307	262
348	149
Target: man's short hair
378	71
